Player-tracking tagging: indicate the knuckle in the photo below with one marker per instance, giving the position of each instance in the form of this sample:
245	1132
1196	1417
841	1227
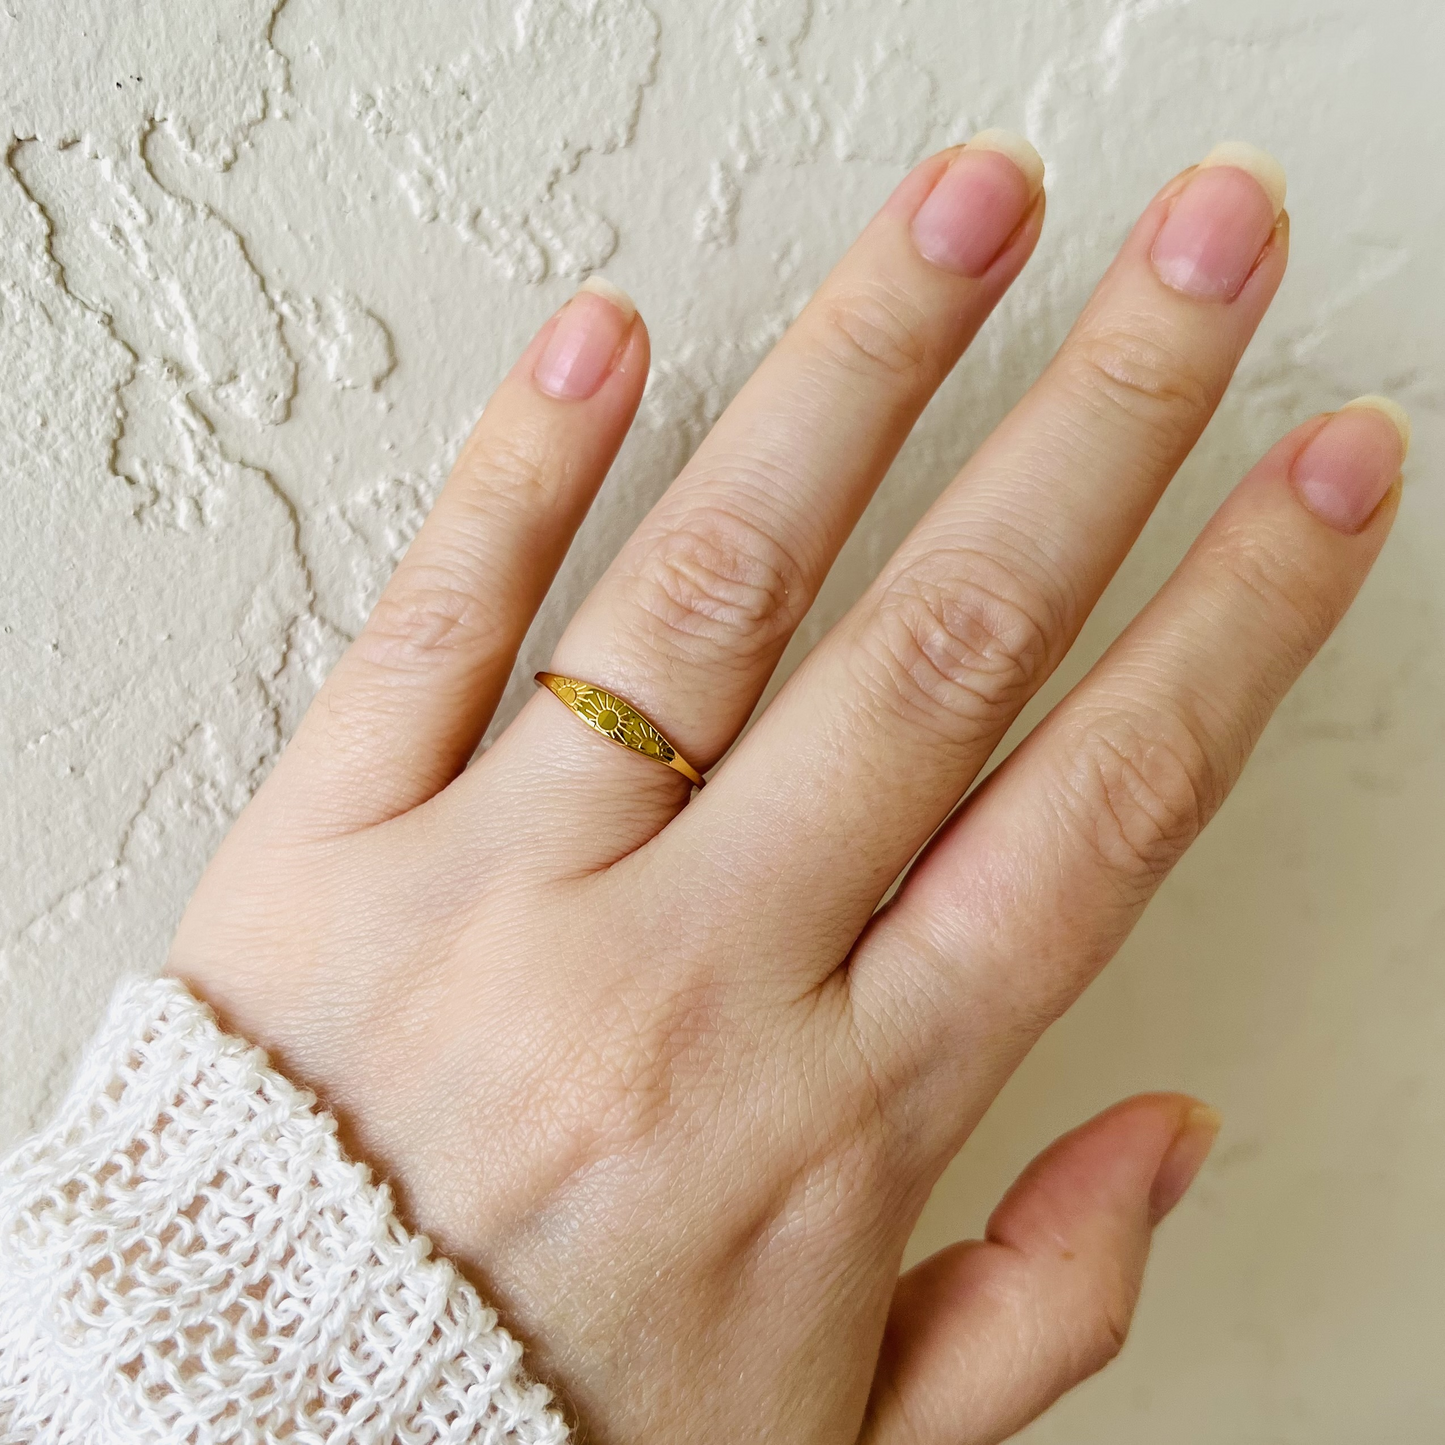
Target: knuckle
436	605
513	469
958	650
1266	569
429	613
1147	787
720	583
504	483
872	331
1147	379
1108	1326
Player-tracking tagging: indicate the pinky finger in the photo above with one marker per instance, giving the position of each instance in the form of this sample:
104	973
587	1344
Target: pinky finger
986	1335
408	703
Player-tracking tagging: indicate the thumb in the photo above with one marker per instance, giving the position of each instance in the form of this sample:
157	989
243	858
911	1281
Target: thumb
985	1335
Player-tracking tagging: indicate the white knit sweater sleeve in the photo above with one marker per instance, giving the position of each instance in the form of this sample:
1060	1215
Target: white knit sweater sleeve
187	1256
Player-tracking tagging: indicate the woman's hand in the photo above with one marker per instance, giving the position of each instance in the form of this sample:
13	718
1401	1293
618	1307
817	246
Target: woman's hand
660	1074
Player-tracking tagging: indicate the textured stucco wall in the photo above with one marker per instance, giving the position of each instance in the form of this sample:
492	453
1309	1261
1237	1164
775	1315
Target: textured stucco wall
259	265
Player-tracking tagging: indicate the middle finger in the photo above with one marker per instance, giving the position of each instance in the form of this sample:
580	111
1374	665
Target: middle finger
878	734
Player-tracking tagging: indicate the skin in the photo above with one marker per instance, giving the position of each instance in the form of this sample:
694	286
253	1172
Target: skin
661	1075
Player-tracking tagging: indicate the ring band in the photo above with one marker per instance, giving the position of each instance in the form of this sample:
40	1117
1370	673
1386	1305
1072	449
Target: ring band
618	721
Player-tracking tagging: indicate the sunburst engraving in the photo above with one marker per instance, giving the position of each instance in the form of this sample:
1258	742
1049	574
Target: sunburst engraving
610	715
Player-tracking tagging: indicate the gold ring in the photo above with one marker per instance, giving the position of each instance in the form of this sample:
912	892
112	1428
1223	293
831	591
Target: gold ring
618	721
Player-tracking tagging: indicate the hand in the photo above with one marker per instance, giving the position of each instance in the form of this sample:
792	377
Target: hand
660	1074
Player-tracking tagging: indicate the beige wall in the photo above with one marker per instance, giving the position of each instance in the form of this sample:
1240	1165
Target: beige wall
253	290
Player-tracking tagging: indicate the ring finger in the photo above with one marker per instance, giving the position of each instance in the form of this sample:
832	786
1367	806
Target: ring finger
691	618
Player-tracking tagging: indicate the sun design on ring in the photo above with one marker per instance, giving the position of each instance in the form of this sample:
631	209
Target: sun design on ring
607	714
613	718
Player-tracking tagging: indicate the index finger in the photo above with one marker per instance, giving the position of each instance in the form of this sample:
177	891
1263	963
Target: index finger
1031	890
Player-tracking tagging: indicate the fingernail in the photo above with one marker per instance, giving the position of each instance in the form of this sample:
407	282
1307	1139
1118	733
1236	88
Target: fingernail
585	341
1352	461
1220	223
1399	417
978	202
1184	1160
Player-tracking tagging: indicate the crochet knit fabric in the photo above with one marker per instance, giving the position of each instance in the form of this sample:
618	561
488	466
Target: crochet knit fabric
187	1256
